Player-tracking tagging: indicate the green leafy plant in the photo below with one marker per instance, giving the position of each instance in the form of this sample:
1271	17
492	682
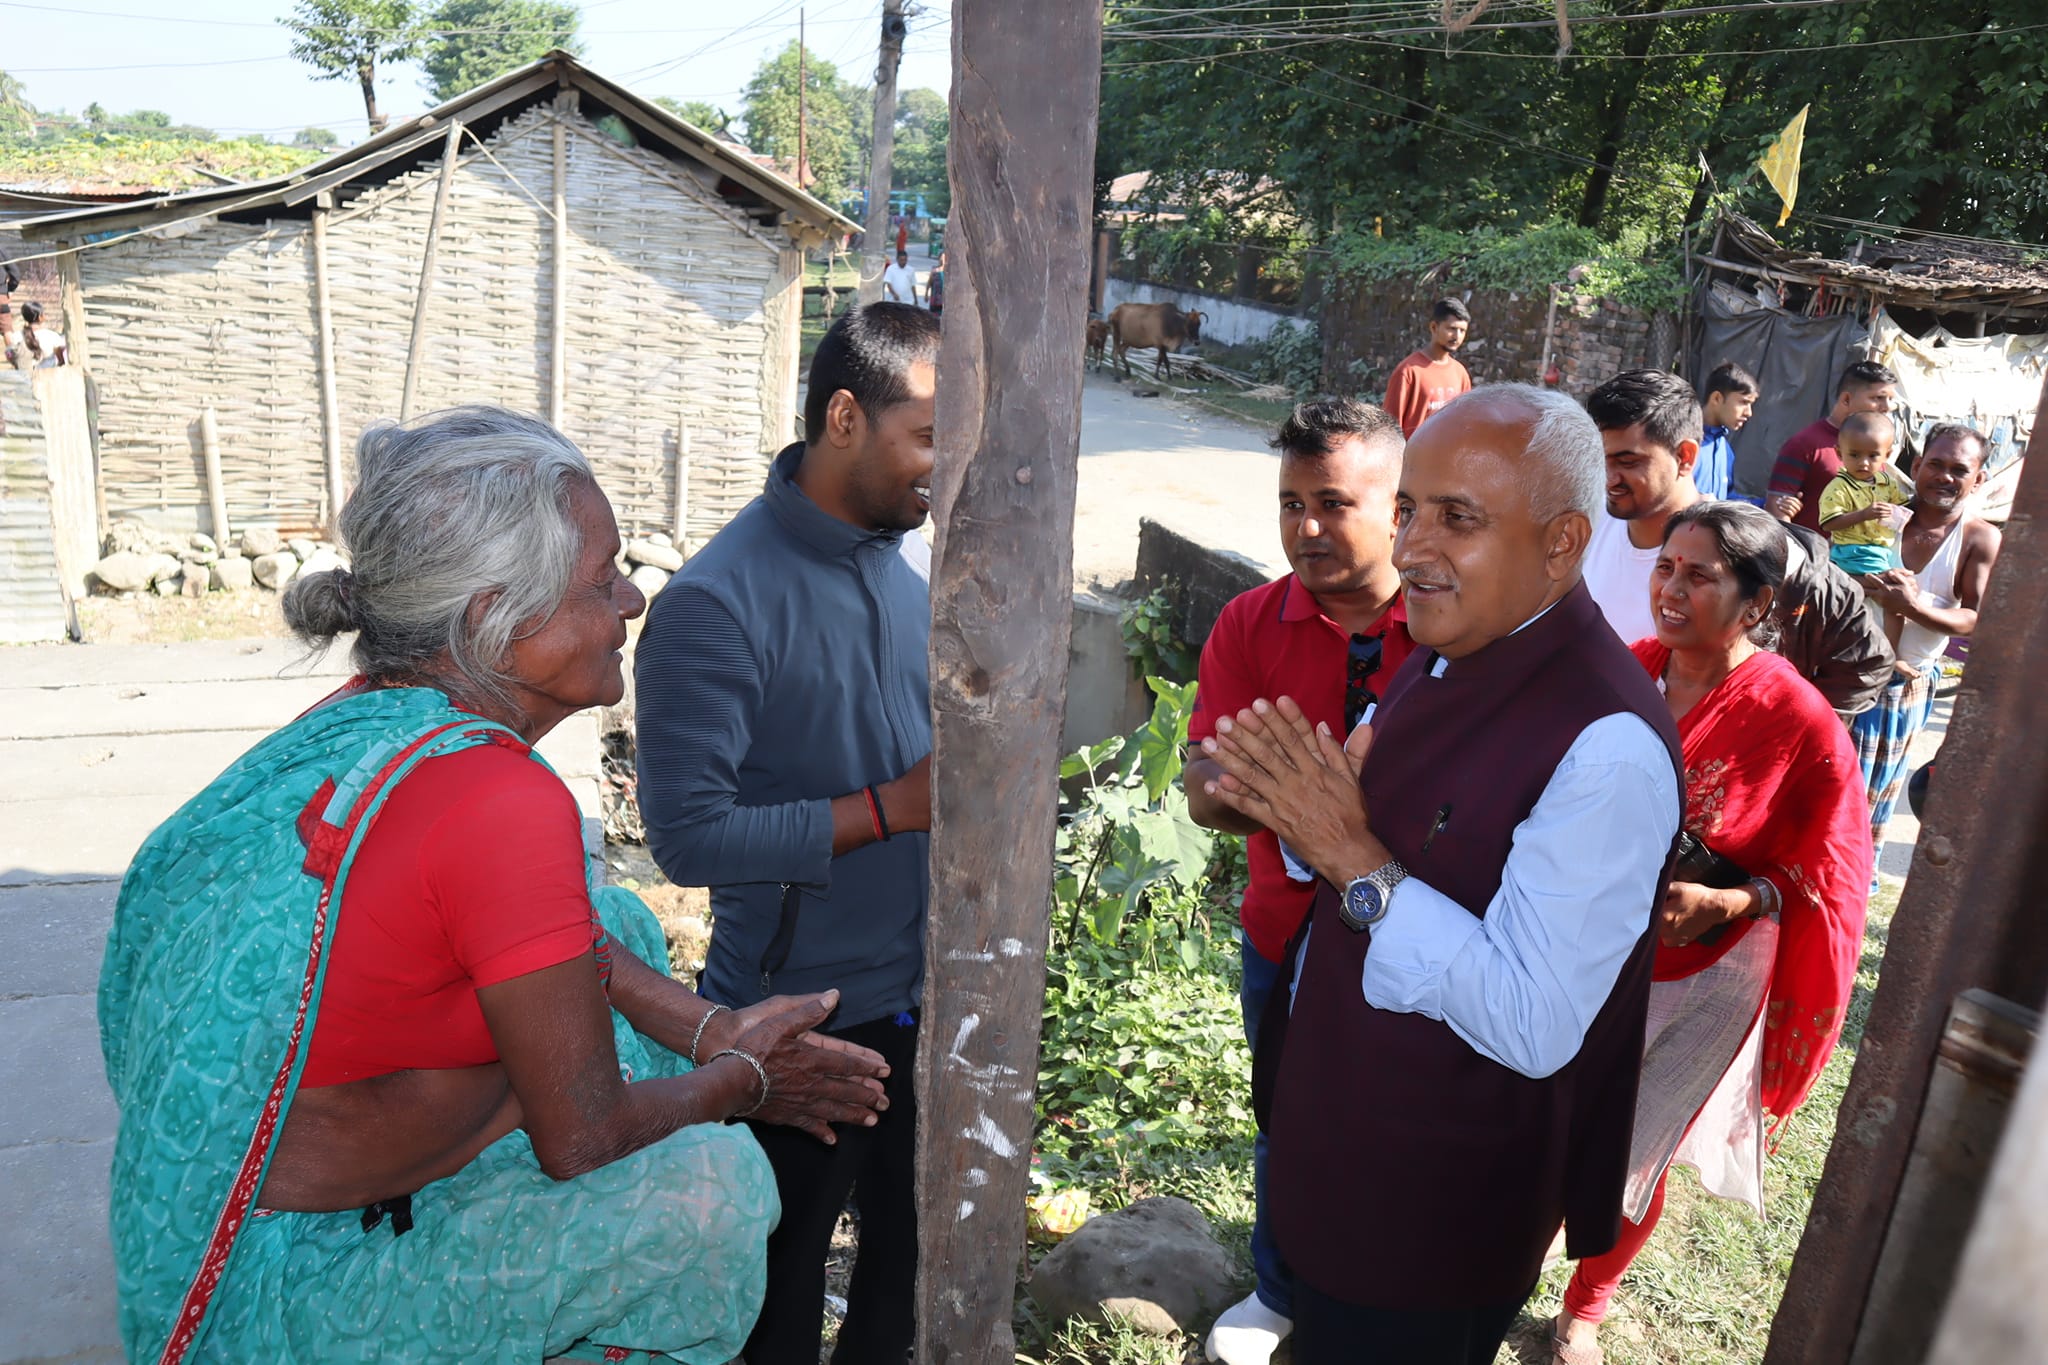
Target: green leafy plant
1625	269
1152	638
1293	358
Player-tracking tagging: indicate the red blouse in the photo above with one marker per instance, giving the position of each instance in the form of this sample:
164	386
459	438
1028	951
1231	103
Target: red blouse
471	875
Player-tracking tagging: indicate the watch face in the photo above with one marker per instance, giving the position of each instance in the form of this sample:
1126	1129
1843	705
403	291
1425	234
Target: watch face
1362	906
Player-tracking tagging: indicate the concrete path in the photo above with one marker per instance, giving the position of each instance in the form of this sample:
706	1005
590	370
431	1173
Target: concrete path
98	745
1210	477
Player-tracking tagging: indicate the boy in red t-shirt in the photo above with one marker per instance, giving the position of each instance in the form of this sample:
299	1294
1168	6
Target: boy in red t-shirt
1431	377
1331	635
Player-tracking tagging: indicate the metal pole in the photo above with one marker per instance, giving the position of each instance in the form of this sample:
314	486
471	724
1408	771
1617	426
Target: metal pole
425	293
1009	421
876	250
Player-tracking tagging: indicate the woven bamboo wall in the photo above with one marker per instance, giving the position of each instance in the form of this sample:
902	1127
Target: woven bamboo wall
221	315
668	323
676	313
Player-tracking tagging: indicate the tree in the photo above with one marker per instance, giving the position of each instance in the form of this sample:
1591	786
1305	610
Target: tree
468	42
343	38
700	113
17	115
832	125
922	124
319	139
1928	117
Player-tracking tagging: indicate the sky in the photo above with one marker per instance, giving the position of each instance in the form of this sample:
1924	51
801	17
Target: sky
227	64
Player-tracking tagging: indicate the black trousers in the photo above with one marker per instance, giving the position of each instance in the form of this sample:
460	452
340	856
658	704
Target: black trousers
877	1166
1329	1331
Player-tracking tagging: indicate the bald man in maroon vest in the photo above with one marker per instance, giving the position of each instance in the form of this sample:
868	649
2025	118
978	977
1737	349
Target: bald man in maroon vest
1453	1073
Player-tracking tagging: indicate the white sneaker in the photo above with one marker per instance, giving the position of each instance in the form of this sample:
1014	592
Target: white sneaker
1248	1333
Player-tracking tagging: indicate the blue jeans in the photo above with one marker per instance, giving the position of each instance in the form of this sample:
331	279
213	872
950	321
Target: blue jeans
1276	1281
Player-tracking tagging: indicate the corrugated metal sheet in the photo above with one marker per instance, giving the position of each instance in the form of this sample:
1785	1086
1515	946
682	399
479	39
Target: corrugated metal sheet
32	601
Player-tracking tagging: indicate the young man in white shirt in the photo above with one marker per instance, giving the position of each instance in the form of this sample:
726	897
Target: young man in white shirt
1650	424
899	281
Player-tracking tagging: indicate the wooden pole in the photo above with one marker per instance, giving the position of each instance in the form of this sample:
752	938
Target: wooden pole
330	403
876	248
558	320
1009	421
216	491
803	150
424	294
682	532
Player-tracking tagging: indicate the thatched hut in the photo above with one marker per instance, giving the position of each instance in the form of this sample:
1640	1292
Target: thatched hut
549	241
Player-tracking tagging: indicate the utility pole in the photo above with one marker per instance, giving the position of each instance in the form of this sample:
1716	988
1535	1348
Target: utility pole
1007	454
802	93
875	247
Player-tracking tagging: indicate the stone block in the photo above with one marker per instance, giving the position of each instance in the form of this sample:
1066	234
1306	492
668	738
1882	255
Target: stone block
1155	1265
275	570
659	556
233	574
258	541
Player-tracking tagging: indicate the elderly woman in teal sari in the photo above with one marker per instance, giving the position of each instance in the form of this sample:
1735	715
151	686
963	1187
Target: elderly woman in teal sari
396	1081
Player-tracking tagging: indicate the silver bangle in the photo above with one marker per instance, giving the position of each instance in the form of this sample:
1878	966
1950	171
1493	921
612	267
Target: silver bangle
698	1036
1769	902
755	1062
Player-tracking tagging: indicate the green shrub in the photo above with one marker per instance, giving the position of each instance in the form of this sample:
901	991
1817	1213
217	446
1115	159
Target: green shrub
1291	357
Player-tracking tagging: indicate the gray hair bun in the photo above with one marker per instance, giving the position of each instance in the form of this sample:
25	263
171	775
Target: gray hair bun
319	606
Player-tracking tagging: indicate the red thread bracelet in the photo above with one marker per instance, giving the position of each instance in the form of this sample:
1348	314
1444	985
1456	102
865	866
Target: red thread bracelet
874	812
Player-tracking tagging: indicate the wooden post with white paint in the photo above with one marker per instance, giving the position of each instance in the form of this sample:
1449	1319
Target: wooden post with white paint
216	489
682	529
429	254
1009	419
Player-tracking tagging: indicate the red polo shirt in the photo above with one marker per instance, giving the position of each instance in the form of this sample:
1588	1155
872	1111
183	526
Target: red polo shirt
1268	642
1805	465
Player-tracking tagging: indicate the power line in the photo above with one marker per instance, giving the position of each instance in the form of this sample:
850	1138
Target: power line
1293	28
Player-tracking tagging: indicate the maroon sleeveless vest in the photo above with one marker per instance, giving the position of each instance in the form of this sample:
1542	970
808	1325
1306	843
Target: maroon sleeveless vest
1407	1170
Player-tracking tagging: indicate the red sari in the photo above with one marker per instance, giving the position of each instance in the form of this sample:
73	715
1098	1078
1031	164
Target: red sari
1772	783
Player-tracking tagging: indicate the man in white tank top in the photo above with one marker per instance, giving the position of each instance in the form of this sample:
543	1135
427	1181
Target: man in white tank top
1947	556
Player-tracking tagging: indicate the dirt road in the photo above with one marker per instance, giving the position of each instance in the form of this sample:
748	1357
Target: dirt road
1202	473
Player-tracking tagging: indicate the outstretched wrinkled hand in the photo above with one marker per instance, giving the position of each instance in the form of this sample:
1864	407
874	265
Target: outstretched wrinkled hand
1294	778
814	1081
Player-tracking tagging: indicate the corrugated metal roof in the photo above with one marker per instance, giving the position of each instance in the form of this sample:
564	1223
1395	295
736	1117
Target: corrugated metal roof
32	603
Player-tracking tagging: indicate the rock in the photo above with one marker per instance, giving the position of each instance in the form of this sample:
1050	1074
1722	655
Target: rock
194	578
259	541
1155	1265
660	538
167	587
275	570
200	549
302	547
125	570
320	561
133	537
233	574
660	556
648	579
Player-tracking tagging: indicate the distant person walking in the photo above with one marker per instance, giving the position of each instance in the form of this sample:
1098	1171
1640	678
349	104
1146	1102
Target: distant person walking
1431	377
1810	458
899	281
935	286
1731	397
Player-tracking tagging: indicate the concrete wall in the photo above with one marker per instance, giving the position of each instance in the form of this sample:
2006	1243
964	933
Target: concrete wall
1368	328
1198	579
1228	322
1104	694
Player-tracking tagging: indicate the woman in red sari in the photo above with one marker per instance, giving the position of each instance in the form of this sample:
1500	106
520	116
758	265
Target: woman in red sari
1753	972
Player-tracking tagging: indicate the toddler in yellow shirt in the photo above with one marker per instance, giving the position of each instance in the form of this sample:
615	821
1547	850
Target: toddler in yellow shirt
1862	508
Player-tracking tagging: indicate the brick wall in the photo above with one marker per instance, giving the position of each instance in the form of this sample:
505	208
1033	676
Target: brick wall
1368	328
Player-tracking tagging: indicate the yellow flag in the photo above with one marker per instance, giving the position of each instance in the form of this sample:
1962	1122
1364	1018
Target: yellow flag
1780	163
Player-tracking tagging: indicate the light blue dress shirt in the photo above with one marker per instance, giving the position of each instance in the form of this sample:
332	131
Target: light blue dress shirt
1713	469
1523	985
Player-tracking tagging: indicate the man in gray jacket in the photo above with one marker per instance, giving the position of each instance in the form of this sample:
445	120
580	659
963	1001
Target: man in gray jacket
784	735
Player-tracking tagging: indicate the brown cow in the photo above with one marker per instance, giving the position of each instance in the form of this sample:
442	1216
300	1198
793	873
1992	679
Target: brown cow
1098	338
1153	326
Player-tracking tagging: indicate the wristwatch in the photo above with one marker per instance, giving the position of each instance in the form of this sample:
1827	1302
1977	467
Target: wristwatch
1365	899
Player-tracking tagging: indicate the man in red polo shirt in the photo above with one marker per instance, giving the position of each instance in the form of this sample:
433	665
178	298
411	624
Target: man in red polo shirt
1331	634
1809	460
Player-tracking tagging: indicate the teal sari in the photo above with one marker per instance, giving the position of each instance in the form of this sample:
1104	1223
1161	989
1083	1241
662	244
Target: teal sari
209	992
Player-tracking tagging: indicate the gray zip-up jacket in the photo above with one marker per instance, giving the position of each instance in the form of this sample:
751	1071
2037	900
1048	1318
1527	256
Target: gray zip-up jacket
784	666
